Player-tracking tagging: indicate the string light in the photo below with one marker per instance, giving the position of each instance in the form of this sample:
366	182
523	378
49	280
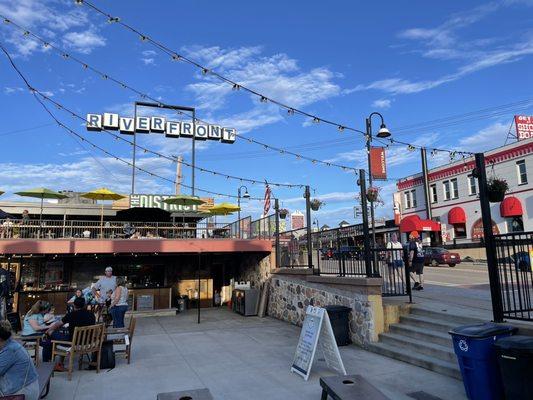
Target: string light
236	86
264	99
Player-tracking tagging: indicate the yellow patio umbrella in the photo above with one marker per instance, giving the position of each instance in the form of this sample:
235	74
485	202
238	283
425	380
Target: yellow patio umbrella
224	209
102	194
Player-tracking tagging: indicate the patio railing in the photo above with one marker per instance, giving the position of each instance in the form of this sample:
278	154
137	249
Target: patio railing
73	229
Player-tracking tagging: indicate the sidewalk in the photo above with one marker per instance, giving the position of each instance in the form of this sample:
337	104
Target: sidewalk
237	358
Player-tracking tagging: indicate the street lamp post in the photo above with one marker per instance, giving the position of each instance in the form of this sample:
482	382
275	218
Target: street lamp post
246	195
382	133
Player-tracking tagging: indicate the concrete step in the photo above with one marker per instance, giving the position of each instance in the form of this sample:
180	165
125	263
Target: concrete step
427	323
445	316
414	345
421	360
427	335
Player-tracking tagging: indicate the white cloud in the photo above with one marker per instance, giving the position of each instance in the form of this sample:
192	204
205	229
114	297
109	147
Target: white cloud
83	42
443	43
10	90
277	76
382	103
148	61
83	174
487	138
149	53
51	19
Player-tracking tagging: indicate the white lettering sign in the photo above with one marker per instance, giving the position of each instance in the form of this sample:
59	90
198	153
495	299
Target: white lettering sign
174	129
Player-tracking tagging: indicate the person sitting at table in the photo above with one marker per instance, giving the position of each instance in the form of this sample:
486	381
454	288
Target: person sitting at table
78	293
17	372
119	304
49	316
79	317
34	319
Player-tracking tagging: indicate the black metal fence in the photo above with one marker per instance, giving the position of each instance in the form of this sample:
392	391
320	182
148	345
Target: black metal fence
514	252
391	265
263	228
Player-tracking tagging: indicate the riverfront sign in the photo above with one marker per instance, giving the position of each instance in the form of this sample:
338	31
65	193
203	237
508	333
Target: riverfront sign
174	129
156	201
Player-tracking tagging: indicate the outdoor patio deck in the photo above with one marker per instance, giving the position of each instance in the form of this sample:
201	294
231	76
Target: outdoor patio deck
236	358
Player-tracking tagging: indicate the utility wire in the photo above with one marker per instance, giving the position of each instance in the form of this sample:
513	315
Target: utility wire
36	94
175	56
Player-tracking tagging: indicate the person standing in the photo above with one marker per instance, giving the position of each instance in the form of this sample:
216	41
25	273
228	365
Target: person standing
394	257
104	285
17	372
119	304
416	259
25	224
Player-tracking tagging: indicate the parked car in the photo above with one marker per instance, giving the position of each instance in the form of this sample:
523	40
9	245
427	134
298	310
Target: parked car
435	256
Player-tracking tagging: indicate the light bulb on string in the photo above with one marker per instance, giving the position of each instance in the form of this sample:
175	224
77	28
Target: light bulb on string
175	57
316	120
205	71
290	111
264	99
143	38
235	86
340	128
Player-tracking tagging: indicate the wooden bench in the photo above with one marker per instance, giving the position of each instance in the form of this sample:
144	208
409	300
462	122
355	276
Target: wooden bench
348	387
198	394
44	371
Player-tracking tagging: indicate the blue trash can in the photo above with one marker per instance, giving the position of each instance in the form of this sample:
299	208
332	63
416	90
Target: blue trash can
473	345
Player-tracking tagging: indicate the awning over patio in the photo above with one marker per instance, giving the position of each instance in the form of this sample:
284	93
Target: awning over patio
415	223
456	216
511	207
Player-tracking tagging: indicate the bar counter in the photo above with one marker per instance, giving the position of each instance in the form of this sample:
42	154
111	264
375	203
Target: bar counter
154	298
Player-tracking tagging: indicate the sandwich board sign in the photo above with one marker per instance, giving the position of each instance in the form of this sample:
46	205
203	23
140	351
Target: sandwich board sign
316	332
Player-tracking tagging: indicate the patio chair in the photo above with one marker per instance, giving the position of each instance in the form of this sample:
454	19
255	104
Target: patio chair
124	337
85	340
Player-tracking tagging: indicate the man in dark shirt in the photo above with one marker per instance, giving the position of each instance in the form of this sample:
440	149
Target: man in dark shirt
79	317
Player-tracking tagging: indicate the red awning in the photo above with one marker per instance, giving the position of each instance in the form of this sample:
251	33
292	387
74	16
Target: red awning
456	216
414	223
511	207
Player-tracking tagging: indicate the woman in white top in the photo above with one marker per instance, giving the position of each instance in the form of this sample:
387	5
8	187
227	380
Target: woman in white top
395	262
119	303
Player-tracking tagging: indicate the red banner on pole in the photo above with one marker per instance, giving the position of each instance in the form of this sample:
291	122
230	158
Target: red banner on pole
524	127
378	167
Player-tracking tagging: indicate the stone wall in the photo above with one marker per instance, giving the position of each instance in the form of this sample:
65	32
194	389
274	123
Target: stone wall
289	297
256	268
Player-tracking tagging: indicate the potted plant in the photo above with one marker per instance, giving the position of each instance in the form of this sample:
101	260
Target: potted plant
372	194
283	212
496	189
316	204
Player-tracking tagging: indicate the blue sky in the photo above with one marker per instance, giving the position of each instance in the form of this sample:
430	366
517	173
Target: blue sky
413	61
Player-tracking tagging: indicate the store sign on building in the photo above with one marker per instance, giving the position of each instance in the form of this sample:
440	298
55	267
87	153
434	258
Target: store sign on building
159	125
477	229
156	201
524	127
378	166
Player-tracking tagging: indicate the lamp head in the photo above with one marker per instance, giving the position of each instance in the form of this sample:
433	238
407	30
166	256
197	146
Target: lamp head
246	195
383	132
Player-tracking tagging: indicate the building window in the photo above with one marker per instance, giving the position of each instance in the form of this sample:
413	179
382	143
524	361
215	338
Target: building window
515	224
446	190
522	173
433	193
455	188
472	188
407	198
413	198
459	231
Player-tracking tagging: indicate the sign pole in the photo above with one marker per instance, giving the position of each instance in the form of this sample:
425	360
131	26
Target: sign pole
488	236
307	196
366	235
278	255
134	149
193	149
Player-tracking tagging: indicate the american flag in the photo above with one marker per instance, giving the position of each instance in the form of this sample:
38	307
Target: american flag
267	200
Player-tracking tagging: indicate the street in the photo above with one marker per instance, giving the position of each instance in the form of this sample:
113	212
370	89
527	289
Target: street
464	289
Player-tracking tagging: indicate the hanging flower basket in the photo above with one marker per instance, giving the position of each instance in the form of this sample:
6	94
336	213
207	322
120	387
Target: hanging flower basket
372	194
283	212
496	189
316	204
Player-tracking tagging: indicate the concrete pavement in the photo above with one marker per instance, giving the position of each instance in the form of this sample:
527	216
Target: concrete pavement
237	358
